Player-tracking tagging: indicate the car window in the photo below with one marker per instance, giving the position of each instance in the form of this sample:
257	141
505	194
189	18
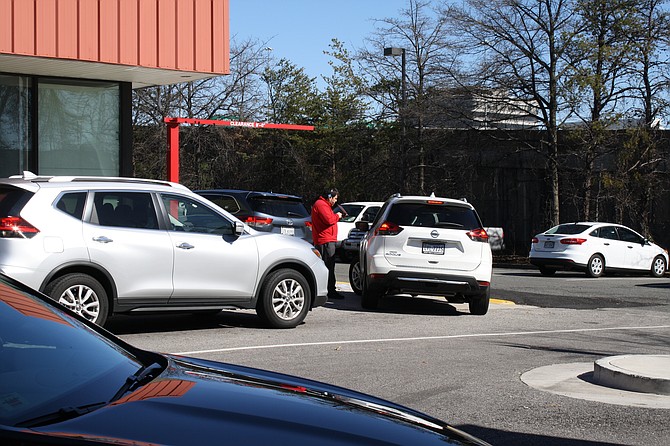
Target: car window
370	213
188	215
72	204
569	229
627	235
51	360
124	209
226	202
12	201
352	211
279	206
608	232
428	215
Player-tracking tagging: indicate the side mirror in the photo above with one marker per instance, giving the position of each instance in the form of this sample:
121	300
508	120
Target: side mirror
362	225
238	228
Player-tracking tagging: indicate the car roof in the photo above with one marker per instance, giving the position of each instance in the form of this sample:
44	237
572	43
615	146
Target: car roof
28	180
422	198
247	193
364	203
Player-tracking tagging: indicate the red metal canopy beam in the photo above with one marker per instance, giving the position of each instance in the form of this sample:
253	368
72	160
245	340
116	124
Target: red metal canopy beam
173	136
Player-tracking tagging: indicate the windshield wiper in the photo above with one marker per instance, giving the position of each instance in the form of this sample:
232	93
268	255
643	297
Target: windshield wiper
66	413
136	379
62	414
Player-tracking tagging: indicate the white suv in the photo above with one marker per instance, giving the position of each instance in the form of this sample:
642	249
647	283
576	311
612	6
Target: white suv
102	246
425	246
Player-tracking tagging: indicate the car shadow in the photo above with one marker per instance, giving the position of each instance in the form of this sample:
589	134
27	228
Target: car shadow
662	285
156	323
505	438
405	304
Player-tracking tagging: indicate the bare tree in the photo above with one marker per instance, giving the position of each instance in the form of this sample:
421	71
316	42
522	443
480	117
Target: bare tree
524	43
419	32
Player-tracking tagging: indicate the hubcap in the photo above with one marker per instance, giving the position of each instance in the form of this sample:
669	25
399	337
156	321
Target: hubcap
82	300
596	266
288	299
356	276
659	267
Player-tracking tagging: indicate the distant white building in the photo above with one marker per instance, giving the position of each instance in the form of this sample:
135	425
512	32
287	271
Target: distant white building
480	109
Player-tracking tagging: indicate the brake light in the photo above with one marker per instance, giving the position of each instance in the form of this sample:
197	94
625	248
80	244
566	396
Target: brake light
16	227
478	235
258	222
535	240
434	202
388	228
308	224
572	241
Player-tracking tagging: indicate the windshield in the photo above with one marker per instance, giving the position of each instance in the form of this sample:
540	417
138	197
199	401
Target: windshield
279	206
352	211
49	360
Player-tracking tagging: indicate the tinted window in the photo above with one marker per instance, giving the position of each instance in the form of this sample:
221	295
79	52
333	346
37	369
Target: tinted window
608	232
437	216
72	204
189	215
352	211
370	213
12	201
226	202
569	229
124	209
629	236
279	206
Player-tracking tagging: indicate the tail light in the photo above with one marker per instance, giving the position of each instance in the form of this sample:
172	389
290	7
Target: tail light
478	235
258	222
308	224
16	227
572	241
388	228
535	240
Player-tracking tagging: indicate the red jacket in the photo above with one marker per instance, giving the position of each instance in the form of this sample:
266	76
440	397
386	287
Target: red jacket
324	222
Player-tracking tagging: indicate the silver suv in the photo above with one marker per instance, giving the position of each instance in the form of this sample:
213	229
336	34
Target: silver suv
425	246
102	246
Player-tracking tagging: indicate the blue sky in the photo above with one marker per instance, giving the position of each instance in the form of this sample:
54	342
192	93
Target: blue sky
300	30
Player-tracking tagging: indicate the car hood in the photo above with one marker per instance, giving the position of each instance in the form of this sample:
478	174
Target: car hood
201	402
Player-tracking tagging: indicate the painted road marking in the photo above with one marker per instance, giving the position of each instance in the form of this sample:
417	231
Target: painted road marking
422	338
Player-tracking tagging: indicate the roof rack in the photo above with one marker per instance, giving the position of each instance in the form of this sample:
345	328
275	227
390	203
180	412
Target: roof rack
29	176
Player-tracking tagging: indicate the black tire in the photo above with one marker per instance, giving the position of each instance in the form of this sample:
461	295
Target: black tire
596	266
285	299
547	271
479	305
356	277
658	267
82	294
370	296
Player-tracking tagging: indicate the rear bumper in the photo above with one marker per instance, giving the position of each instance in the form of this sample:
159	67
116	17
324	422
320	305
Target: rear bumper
425	283
562	264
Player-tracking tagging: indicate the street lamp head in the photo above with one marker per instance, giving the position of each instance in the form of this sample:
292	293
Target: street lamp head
394	51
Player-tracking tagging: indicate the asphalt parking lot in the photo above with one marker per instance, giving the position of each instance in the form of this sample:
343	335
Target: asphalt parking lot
468	370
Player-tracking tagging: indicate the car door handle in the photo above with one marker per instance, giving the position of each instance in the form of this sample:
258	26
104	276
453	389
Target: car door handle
606	244
102	239
185	245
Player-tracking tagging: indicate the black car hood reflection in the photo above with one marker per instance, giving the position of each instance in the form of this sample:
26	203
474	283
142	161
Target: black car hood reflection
201	402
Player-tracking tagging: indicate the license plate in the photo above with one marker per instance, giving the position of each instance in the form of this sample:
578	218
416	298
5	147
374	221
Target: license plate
433	248
287	231
548	244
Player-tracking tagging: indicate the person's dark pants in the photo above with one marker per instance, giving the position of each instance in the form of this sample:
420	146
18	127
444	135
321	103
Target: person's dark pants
327	251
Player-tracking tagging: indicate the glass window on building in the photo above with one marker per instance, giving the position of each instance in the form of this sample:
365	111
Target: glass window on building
15	124
78	128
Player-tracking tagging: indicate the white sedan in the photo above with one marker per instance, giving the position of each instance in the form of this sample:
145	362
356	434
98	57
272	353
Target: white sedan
596	248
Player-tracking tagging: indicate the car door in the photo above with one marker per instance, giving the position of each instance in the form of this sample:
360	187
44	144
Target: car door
208	265
638	254
608	243
123	236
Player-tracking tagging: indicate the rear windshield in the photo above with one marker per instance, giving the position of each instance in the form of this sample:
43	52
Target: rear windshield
436	216
569	229
12	200
279	206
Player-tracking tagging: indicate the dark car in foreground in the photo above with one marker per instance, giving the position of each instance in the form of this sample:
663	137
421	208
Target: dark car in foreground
66	381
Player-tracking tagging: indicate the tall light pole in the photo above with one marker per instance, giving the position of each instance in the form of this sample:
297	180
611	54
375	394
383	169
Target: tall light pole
395	51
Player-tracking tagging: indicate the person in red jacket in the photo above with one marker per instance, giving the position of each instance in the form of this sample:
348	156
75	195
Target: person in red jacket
324	234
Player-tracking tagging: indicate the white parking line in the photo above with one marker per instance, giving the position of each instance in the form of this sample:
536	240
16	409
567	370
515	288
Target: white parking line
421	338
